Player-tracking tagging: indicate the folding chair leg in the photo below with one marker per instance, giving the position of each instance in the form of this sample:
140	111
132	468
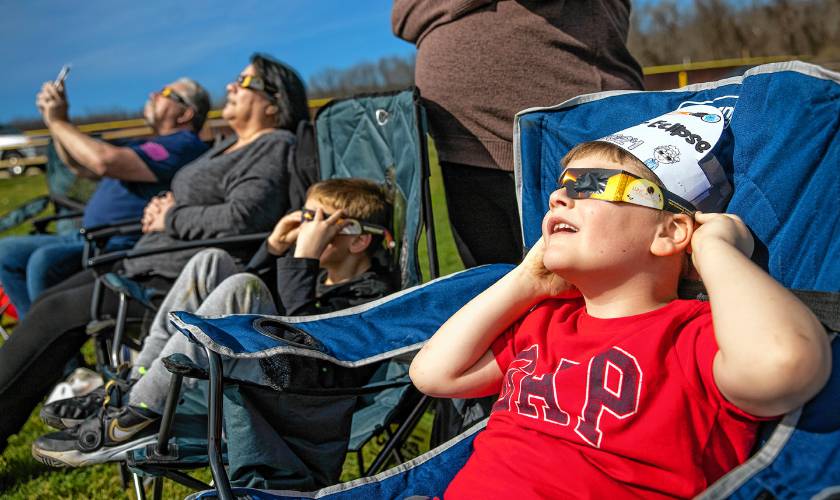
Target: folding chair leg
214	427
397	455
400	436
361	461
139	491
101	351
123	474
119	331
157	491
96	300
186	480
169	414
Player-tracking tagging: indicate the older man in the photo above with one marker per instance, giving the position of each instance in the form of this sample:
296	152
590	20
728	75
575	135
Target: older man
131	174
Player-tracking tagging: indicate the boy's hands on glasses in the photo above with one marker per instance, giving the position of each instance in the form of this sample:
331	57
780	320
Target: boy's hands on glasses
284	234
314	236
715	228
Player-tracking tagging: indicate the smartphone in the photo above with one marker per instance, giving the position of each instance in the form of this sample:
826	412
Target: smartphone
62	75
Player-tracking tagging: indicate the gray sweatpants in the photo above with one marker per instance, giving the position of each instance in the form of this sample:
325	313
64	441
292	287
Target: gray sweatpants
208	286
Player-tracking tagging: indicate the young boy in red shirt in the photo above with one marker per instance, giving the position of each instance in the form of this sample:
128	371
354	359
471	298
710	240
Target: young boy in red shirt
610	386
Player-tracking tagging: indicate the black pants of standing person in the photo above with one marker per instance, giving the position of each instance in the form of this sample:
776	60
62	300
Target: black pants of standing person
483	214
33	358
485	224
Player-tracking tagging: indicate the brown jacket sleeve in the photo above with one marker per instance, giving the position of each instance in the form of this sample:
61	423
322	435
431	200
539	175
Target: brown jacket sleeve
411	20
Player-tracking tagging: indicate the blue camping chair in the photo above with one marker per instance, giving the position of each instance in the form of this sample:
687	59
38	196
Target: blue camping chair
380	137
780	149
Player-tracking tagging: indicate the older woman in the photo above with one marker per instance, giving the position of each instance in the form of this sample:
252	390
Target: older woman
241	186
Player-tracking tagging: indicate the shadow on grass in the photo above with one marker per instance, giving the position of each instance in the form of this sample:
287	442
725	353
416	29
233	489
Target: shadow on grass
23	477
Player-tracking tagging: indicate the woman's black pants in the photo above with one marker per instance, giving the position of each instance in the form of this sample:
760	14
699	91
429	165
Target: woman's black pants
34	357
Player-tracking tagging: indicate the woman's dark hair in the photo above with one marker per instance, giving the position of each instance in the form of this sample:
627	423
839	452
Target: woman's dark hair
285	87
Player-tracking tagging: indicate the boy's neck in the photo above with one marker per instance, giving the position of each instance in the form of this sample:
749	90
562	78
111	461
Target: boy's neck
349	268
636	295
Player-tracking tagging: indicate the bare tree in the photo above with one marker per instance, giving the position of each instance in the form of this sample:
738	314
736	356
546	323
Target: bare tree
670	32
388	73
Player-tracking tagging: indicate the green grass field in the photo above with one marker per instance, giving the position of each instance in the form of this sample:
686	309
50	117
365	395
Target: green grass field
21	477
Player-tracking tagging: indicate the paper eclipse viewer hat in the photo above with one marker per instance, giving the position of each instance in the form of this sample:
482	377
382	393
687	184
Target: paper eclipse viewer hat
677	147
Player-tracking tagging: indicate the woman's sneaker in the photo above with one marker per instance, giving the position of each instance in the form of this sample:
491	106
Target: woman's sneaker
70	412
104	437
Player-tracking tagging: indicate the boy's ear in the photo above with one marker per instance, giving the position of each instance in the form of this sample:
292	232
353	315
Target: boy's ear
272	110
360	243
673	235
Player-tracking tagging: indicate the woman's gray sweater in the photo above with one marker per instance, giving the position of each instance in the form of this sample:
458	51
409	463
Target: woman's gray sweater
222	194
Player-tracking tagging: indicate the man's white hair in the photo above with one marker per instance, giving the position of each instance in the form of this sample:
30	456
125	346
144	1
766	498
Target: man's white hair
198	98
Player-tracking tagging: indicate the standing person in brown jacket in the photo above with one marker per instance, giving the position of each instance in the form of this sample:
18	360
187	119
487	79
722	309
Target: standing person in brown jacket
479	62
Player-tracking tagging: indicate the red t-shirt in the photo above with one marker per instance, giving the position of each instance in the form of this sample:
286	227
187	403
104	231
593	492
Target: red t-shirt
606	408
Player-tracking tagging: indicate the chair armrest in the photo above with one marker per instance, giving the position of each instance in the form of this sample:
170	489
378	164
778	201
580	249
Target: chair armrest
230	242
68	203
103	227
182	365
41	223
100	236
97	236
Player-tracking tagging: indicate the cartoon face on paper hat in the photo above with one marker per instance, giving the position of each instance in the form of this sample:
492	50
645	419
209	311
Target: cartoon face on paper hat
677	148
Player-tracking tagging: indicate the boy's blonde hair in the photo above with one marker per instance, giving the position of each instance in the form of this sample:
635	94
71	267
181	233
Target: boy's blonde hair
609	152
360	199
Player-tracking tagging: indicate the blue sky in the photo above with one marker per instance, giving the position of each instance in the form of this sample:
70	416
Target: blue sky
120	50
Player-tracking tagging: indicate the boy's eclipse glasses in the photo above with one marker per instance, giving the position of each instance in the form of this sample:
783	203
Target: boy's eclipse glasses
354	227
619	185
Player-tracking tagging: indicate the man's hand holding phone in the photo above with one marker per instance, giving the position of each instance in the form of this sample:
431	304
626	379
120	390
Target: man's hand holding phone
62	75
51	100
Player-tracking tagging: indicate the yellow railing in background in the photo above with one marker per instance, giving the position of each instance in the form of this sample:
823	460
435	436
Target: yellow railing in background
92	128
719	63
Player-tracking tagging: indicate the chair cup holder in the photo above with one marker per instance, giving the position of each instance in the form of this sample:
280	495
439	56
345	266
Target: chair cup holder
290	335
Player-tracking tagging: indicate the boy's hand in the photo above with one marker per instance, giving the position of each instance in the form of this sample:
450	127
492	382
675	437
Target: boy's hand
544	282
719	228
753	313
315	235
284	234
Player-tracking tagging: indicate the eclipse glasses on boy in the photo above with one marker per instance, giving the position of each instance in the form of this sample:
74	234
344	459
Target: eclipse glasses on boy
619	185
170	93
354	227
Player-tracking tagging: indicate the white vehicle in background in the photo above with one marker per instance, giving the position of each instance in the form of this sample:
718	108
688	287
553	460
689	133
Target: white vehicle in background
15	147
